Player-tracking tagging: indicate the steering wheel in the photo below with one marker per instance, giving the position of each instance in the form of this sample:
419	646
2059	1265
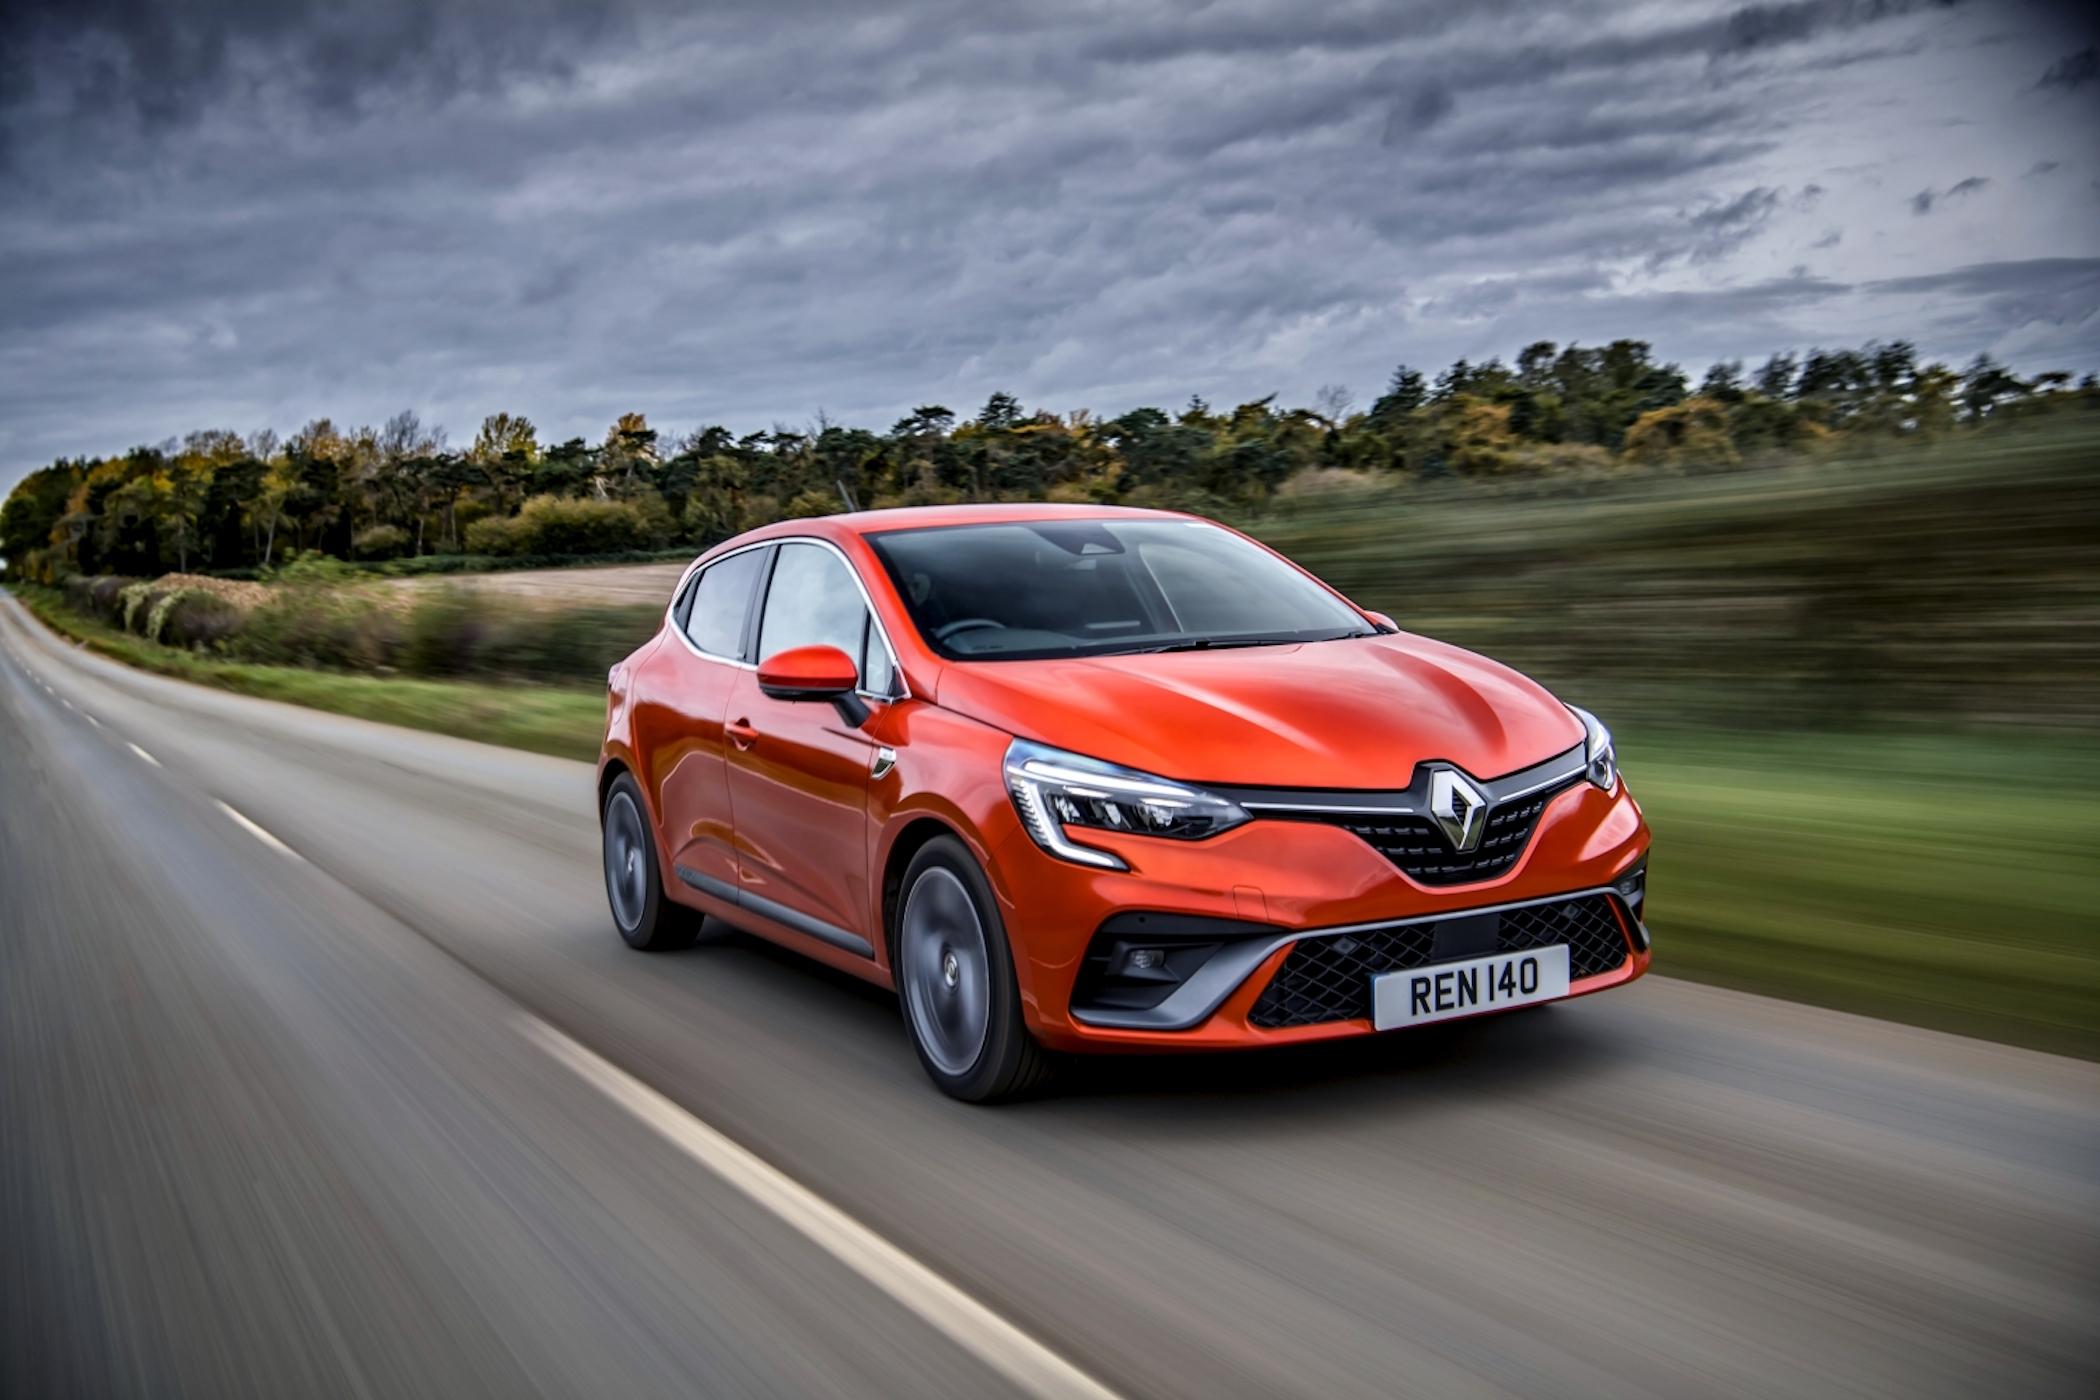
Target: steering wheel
963	624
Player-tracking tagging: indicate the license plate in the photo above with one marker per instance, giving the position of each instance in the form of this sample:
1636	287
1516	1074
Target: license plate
1444	990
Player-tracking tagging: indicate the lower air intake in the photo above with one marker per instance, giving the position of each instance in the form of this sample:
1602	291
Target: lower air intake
1328	977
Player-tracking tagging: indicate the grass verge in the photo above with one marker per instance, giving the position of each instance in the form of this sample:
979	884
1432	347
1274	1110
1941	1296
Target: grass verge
559	720
1946	881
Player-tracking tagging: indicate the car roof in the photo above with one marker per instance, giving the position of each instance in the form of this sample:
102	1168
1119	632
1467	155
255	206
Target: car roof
870	522
875	522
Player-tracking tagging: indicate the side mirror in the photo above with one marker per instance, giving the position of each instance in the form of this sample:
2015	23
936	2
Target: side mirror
1381	621
815	673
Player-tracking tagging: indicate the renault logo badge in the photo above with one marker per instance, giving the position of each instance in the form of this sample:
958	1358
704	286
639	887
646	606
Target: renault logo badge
1458	808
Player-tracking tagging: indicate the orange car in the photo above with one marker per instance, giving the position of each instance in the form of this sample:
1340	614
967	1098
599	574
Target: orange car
1077	778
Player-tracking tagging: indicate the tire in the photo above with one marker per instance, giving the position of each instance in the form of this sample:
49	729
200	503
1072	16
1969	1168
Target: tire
955	980
634	882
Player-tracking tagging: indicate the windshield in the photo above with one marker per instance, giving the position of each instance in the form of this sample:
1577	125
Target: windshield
1027	590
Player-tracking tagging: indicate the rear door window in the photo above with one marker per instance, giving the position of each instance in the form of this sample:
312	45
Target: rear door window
721	603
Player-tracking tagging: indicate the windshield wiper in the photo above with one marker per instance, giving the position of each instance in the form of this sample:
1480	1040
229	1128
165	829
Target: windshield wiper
1223	643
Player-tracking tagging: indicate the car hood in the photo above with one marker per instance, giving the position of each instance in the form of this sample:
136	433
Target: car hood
1356	713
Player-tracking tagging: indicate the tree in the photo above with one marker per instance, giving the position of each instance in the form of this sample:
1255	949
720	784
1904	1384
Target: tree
1723	382
1693	433
180	492
1776	379
1987	386
501	434
210	500
625	459
1403	395
1001	410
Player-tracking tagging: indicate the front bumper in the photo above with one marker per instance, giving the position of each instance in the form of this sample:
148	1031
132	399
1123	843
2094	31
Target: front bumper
1248	901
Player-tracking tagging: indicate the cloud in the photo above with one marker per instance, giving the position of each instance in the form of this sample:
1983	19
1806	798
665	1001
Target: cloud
1925	201
2073	71
1429	105
223	212
169	59
2075	279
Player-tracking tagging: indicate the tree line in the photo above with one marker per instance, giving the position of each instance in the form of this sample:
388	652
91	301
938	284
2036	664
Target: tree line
217	501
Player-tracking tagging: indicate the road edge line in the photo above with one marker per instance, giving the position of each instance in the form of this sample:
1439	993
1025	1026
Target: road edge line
1027	1363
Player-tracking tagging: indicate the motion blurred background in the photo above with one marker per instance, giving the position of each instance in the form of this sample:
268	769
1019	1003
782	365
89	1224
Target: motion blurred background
1730	369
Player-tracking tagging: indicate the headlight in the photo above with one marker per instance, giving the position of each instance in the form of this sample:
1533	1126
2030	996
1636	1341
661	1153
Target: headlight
1057	792
1598	755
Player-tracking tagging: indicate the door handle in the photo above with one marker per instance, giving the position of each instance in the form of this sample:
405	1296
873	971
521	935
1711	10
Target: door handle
741	732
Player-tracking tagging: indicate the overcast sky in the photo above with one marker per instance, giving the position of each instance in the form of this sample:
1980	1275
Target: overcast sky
232	215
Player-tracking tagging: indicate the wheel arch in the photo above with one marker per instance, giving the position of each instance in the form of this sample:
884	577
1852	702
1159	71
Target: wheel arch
609	773
911	838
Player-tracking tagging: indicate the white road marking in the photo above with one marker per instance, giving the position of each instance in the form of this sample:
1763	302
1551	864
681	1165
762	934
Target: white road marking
143	754
91	719
1023	1360
258	833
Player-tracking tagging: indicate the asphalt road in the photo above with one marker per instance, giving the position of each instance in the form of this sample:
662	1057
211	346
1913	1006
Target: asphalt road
323	1073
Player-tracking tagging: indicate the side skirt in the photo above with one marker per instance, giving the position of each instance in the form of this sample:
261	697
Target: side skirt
779	913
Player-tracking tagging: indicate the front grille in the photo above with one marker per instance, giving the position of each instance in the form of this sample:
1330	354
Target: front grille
1328	977
1418	847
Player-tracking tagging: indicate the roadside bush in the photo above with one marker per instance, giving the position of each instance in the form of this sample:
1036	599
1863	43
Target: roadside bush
561	644
133	600
555	525
346	629
180	609
1572	459
311	617
199	620
497	535
380	542
313	568
443	633
417	566
99	596
1328	483
1689	434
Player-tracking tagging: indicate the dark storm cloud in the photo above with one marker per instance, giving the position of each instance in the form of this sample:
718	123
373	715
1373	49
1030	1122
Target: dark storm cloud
244	214
2073	71
169	60
1756	27
1925	201
2075	282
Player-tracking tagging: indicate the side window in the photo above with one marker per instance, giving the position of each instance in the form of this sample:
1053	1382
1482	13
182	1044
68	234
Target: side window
721	599
812	602
878	672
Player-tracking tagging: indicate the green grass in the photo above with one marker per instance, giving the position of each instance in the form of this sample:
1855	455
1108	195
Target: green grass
1948	882
561	720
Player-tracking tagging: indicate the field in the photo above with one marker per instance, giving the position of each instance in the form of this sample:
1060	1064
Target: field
1860	700
616	584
